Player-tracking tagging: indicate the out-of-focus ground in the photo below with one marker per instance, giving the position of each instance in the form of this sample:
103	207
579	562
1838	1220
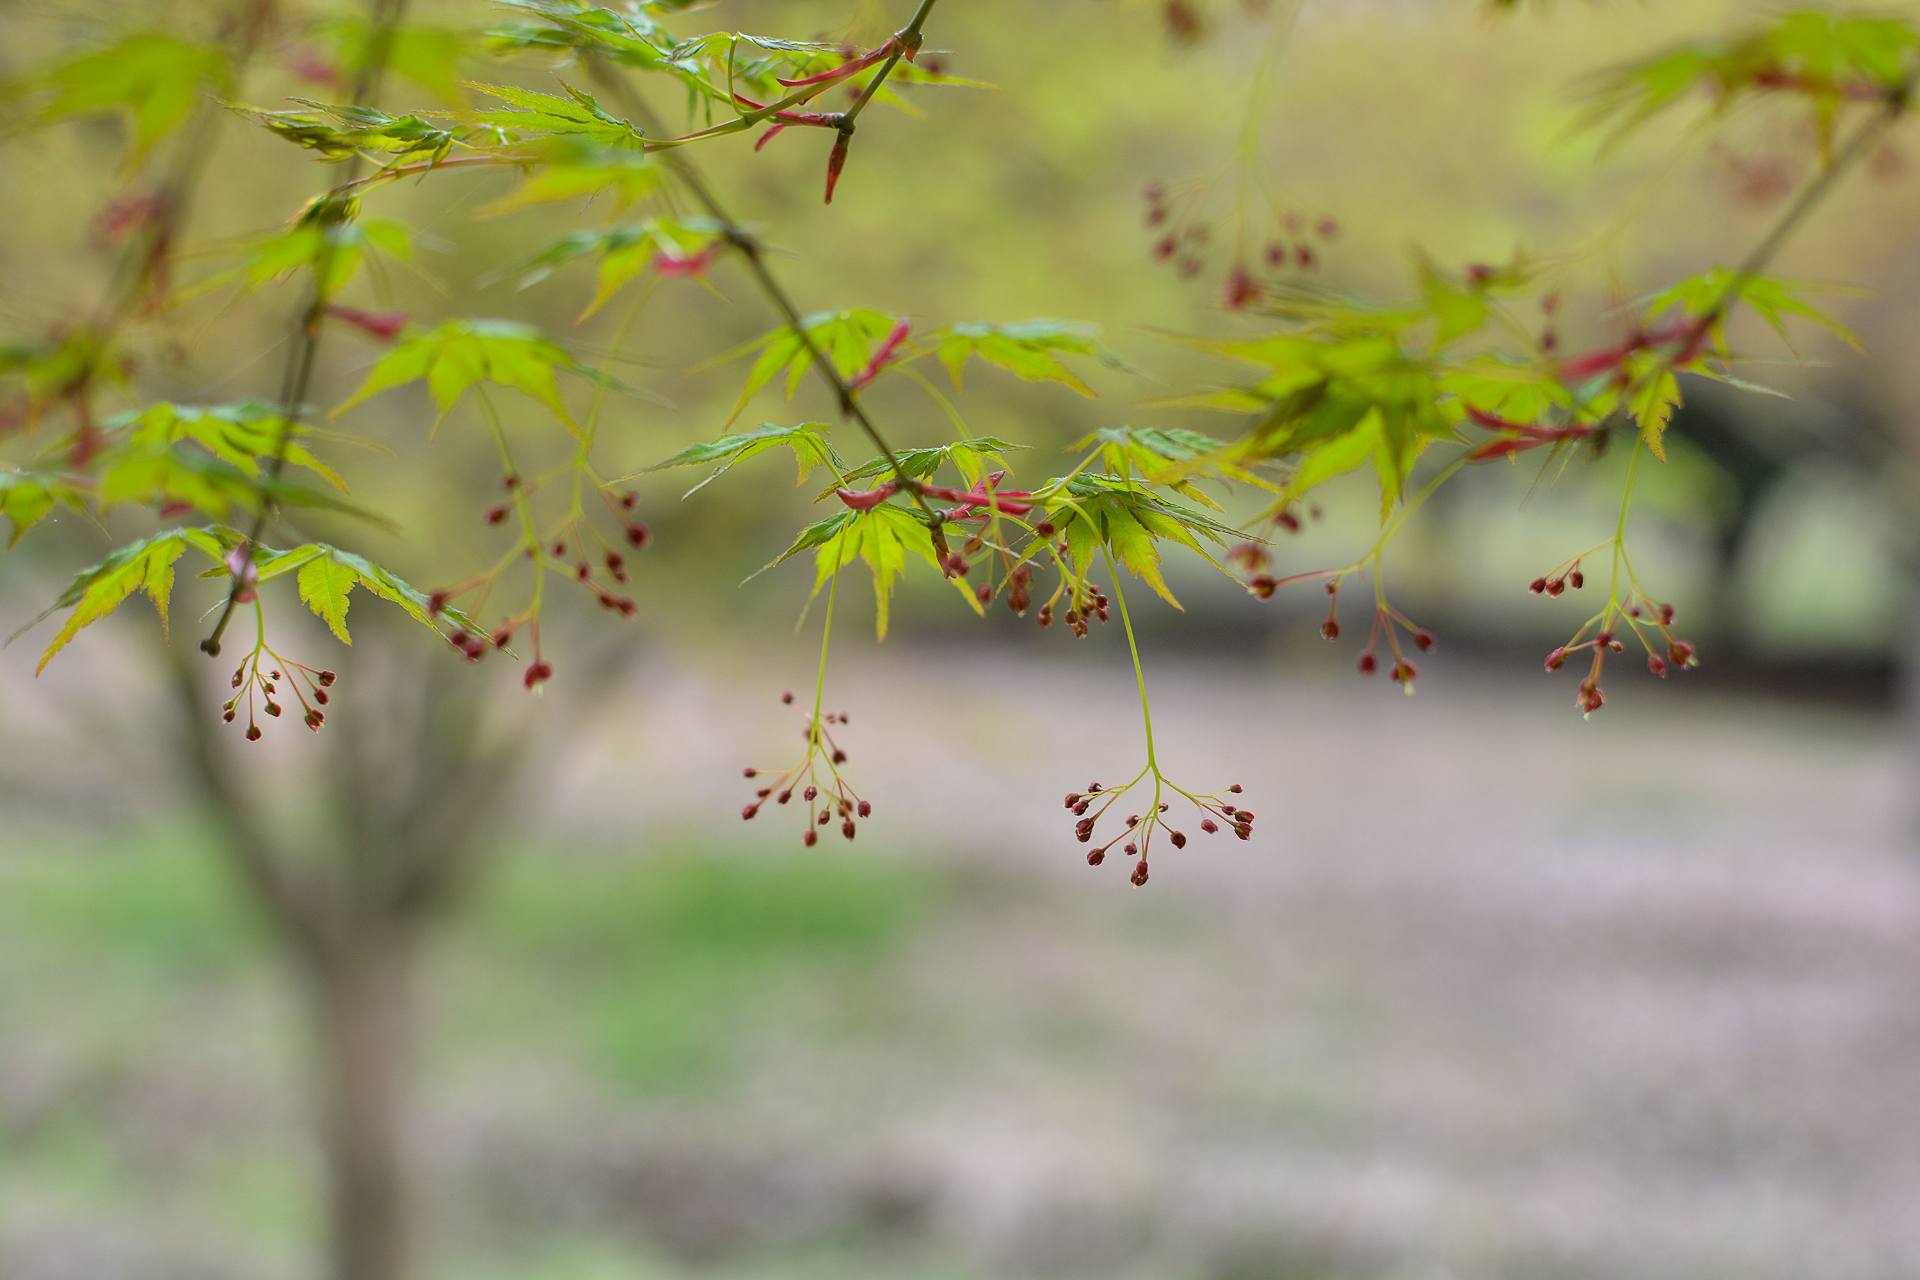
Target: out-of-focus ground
1492	993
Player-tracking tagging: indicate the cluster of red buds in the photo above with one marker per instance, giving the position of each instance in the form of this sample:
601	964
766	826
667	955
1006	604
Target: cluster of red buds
1086	604
597	567
1138	832
1649	621
1186	20
124	216
824	795
259	679
1390	625
1184	241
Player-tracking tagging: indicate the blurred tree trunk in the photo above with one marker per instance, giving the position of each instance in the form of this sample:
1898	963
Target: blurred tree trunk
415	792
364	1022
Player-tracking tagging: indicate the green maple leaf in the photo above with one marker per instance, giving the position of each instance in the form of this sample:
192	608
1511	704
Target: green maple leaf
626	253
577	113
1717	292
847	338
1092	511
1030	351
563	168
152	78
143	566
326	577
460	354
28	497
969	457
808	441
887	538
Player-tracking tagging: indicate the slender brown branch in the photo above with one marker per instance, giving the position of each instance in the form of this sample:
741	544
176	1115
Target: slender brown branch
174	196
755	255
1813	194
905	44
298	377
1684	340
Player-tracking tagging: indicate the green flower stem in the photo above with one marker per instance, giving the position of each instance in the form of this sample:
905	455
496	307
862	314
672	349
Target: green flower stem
1139	674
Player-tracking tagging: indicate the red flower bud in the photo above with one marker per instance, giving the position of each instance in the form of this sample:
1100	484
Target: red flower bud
384	325
836	163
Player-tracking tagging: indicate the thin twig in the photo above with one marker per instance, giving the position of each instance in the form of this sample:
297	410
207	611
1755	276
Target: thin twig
755	255
306	348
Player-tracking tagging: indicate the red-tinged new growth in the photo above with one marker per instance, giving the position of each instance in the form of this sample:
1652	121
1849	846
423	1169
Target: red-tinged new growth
883	356
903	45
382	325
1515	438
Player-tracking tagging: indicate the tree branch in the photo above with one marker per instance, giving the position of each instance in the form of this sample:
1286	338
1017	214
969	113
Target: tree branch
298	377
750	248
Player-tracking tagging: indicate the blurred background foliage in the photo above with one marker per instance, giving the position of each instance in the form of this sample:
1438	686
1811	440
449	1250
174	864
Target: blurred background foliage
1504	997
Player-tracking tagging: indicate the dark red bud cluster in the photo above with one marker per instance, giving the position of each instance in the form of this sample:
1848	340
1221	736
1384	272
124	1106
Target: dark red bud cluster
1242	289
1137	833
1250	556
1019	588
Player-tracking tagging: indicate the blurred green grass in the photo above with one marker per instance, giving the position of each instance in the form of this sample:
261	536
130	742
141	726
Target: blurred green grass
646	978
